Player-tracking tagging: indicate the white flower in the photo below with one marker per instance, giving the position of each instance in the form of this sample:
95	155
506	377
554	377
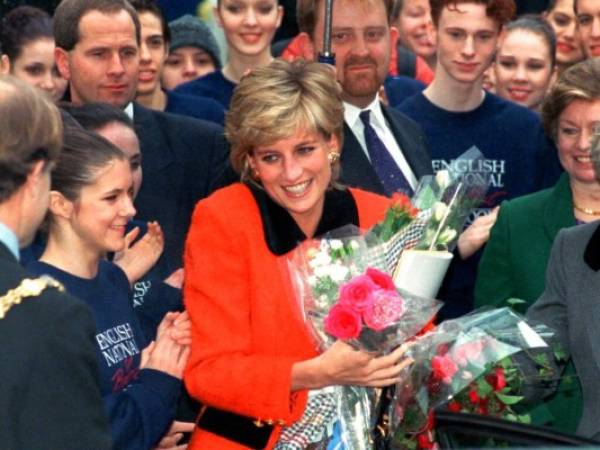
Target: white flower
338	273
442	178
312	280
336	244
439	211
320	259
321	271
354	245
447	235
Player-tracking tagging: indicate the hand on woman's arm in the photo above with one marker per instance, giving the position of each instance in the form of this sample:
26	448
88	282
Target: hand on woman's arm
341	364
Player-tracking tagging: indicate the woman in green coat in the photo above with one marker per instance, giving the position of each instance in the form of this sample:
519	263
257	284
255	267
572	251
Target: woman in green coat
514	262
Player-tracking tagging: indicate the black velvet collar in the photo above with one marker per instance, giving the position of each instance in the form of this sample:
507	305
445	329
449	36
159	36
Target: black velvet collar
282	234
592	251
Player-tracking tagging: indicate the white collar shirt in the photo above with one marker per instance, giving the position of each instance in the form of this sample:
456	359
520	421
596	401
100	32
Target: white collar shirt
381	127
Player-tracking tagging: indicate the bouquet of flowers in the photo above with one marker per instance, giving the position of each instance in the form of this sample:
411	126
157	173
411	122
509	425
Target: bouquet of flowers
447	198
343	297
467	364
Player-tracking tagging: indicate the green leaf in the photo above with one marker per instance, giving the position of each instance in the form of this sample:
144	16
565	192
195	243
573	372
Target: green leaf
559	353
524	418
514	302
509	399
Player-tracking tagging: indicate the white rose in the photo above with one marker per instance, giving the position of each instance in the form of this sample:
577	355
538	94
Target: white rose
439	211
442	178
338	273
447	235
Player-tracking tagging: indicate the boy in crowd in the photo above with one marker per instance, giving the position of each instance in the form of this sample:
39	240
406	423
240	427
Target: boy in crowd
457	114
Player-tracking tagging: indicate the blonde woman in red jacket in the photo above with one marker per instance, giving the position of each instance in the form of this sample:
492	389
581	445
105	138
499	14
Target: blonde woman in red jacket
252	362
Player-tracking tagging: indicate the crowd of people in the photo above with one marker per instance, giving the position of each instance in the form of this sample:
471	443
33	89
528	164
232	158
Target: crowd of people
150	192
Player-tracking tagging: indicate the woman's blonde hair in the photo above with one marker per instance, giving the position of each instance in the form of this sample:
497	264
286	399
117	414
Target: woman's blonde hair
273	102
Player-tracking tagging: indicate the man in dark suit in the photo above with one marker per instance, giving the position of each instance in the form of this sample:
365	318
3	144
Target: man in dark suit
97	50
384	151
49	393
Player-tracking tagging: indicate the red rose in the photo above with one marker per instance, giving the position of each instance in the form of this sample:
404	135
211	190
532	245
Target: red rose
444	368
357	293
497	379
343	322
381	279
385	310
474	397
425	441
454	406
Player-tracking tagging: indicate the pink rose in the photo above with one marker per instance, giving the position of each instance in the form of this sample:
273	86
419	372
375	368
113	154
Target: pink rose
444	368
357	293
381	279
470	351
343	322
387	307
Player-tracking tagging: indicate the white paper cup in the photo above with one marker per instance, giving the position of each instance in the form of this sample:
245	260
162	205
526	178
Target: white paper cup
421	272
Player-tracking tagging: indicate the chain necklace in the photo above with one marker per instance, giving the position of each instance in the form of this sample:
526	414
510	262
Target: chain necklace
588	211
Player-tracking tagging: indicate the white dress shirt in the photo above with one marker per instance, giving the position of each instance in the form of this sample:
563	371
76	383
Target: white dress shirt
381	127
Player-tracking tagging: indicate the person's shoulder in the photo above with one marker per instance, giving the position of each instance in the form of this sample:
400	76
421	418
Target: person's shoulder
232	199
527	204
35	300
413	102
402	118
175	124
203	108
511	111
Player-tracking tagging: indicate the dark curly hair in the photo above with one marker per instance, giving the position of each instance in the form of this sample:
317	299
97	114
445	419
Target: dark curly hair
502	11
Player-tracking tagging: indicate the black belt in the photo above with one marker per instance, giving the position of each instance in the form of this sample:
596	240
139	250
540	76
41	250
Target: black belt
235	427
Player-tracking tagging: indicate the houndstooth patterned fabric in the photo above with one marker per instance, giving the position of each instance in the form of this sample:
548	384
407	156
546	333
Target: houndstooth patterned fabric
385	256
315	425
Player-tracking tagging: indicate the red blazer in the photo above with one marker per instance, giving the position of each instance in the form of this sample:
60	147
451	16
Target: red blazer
246	329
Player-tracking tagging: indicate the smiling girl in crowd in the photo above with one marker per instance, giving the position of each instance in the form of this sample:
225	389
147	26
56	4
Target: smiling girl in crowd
525	62
249	27
90	205
561	17
28	50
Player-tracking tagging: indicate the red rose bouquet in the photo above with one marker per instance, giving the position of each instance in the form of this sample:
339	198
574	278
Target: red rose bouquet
466	364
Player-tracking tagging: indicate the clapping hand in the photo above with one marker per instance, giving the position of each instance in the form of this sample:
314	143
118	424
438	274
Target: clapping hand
138	258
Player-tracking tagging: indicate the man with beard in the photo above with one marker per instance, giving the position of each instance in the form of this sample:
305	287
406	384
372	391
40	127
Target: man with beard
384	151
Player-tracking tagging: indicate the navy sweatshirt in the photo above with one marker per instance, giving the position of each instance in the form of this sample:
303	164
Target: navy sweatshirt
519	159
213	85
140	403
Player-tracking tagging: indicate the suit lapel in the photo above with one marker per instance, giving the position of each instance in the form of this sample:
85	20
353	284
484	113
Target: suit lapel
156	150
407	146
